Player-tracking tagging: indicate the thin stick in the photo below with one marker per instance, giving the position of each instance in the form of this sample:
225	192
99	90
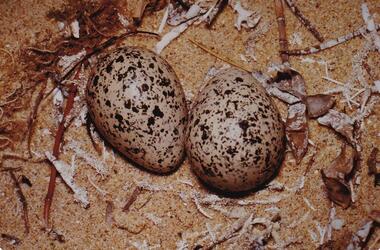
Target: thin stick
331	43
57	143
306	22
22	199
279	9
33	115
132	199
223	58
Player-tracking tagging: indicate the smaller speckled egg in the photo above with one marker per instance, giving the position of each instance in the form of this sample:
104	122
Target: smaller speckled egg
137	103
236	139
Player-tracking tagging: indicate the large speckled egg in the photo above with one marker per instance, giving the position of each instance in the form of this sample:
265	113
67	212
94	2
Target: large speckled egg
236	139
137	103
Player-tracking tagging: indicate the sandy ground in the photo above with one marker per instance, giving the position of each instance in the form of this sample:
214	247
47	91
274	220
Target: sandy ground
165	217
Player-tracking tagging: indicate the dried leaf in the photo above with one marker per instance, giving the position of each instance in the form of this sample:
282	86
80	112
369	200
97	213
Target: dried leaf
318	105
337	191
359	238
343	165
297	130
372	161
340	122
335	176
292	82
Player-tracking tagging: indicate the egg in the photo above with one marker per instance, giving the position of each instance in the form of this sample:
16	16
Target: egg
235	135
138	105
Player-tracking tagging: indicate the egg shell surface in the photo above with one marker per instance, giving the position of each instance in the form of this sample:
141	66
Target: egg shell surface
138	105
236	139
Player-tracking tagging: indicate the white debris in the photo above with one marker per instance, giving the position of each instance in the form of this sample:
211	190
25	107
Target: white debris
66	63
246	18
295	39
308	203
274	210
337	224
153	218
80	120
74	26
98	165
198	205
123	20
57	97
276	186
359	237
186	182
153	187
211	232
164	19
371	27
67	173
271	200
175	32
299	221
101	191
61	26
182	245
313	235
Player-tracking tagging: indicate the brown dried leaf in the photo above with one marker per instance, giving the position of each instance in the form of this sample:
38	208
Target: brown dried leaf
291	82
318	105
343	165
360	237
335	176
337	191
297	130
340	122
372	161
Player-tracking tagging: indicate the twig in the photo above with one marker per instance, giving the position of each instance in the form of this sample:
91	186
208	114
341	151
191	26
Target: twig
22	199
306	22
331	43
279	9
33	115
223	58
57	143
132	199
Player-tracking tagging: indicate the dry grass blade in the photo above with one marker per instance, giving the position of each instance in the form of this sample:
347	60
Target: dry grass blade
220	57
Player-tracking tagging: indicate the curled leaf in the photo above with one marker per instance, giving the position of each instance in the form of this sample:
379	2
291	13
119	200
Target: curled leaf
318	105
297	130
336	175
292	82
337	191
340	122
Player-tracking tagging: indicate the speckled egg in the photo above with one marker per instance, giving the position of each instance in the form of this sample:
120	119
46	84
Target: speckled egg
236	139
137	103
